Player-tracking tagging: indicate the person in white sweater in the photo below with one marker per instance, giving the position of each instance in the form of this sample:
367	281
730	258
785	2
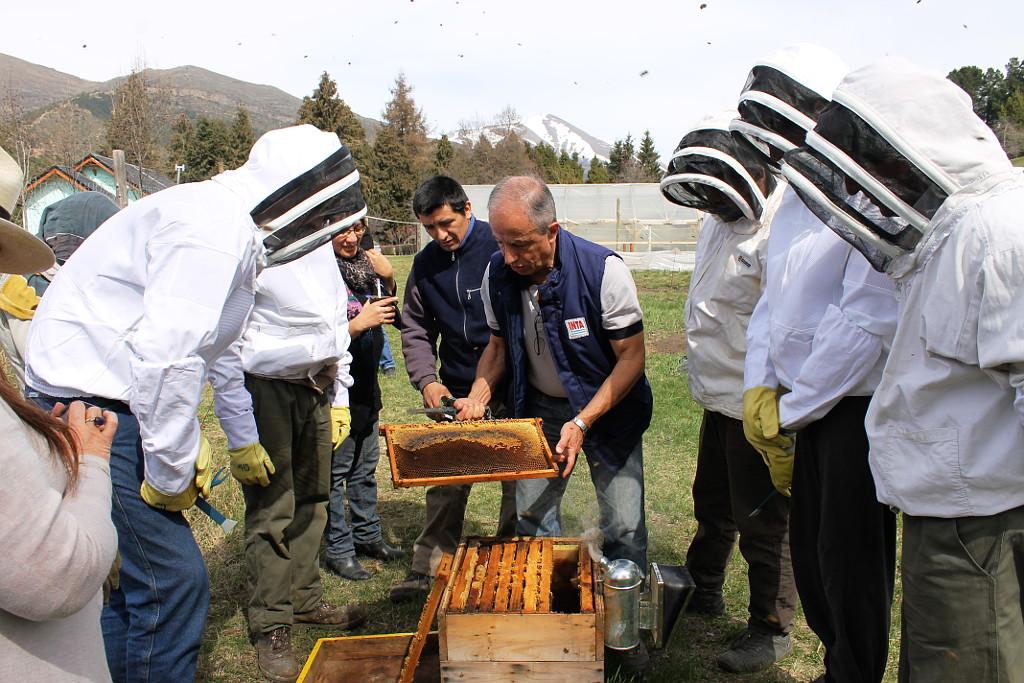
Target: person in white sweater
55	529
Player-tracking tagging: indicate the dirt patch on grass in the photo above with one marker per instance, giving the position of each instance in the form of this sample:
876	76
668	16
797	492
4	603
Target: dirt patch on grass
666	342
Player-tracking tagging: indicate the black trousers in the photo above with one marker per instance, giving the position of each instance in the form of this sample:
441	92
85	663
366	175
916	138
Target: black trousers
843	543
731	482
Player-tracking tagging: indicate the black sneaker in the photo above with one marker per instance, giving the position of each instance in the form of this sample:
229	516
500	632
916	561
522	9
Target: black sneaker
754	651
708	603
411	587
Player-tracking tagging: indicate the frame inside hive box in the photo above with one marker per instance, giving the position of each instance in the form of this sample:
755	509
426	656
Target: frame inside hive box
441	453
522	609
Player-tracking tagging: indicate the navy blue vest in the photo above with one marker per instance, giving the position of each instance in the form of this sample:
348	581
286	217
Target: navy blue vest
449	283
570	303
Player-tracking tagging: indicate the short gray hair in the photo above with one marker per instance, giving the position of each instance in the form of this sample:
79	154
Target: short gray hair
529	191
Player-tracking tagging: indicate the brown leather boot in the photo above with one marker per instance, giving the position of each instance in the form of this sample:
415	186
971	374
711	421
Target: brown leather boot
275	657
326	615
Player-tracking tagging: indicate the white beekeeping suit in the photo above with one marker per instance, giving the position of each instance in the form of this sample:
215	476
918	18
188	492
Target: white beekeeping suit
298	331
710	170
937	204
901	167
816	345
165	286
822	326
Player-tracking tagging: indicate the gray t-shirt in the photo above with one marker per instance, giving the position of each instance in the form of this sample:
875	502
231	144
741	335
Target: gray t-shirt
620	307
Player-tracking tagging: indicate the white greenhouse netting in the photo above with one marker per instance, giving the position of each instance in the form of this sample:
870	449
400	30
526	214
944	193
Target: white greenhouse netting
634	219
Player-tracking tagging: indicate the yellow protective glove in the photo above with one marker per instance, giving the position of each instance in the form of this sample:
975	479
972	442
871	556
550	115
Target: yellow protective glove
199	486
341	424
18	298
761	427
251	465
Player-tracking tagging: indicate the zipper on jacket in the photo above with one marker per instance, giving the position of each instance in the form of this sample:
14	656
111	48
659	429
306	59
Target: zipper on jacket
458	293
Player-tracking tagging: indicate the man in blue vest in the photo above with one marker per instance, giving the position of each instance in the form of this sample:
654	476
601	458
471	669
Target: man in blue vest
567	338
443	325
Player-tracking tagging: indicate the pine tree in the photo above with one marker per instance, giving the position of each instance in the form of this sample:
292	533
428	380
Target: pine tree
211	149
400	158
130	127
242	138
648	159
325	110
443	155
183	134
598	172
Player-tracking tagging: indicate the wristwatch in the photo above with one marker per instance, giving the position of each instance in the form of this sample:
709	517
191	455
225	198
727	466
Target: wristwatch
581	424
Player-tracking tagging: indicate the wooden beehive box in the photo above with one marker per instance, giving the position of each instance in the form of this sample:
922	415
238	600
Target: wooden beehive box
522	609
368	659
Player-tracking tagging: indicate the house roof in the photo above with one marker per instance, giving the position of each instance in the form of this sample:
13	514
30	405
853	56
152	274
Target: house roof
69	174
151	180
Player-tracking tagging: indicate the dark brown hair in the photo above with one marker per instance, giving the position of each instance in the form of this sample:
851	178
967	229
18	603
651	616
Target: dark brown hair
63	442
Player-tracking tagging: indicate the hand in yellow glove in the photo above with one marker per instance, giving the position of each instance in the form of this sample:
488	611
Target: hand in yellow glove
251	465
761	427
199	486
18	298
341	424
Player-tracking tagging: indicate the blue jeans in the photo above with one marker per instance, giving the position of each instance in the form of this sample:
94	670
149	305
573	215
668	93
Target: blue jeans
620	495
354	472
387	361
153	625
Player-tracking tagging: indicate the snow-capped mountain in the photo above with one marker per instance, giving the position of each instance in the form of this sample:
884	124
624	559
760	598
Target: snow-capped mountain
549	129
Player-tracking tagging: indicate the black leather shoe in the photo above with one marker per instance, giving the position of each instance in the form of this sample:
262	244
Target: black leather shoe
380	551
348	568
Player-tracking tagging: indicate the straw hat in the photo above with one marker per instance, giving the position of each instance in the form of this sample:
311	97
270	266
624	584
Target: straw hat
20	251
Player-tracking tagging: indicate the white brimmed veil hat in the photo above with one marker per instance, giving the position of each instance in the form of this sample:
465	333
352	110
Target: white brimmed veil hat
20	251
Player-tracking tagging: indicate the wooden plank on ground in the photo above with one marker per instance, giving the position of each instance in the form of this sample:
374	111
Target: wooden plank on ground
486	602
521	637
515	601
546	568
412	657
520	672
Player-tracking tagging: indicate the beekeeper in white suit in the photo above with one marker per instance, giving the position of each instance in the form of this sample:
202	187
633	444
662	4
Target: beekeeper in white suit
816	345
133	324
293	360
721	174
908	174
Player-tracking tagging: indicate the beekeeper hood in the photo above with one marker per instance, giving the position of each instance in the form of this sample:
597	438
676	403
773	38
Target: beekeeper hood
784	94
303	187
716	171
896	142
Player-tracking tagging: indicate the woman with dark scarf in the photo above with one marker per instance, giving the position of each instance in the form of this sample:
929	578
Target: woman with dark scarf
371	303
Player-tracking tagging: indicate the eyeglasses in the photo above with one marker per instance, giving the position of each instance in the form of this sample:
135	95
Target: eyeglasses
357	229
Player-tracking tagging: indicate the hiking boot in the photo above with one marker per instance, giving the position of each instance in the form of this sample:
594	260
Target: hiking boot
411	587
274	656
708	603
754	651
326	615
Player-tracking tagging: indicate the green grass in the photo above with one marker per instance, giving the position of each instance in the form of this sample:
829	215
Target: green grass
1019	161
670	458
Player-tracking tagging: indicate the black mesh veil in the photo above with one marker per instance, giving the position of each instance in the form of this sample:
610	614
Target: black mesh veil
715	171
862	187
310	210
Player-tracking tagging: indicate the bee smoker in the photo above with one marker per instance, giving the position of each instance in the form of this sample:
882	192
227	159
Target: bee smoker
633	602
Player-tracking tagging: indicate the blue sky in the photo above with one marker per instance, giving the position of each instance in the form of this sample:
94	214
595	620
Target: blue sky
608	67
